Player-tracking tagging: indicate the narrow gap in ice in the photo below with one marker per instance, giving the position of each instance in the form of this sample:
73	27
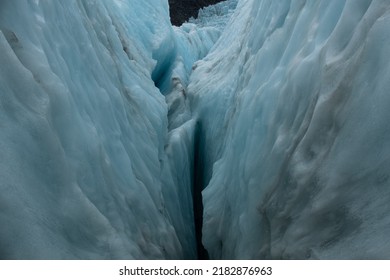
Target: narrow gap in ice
185	145
198	186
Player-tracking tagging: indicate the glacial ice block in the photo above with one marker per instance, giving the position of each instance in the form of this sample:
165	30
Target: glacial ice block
83	130
294	103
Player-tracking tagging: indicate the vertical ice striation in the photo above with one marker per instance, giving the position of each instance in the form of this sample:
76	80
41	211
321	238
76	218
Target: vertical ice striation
294	103
83	130
183	171
97	142
113	124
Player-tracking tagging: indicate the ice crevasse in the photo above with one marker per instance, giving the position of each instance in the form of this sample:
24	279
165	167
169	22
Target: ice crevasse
113	122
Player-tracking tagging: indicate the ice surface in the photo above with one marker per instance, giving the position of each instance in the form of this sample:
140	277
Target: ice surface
83	130
95	161
112	121
294	104
215	15
193	42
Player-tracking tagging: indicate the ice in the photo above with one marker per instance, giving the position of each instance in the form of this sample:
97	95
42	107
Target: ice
296	131
113	122
193	42
91	166
215	15
83	130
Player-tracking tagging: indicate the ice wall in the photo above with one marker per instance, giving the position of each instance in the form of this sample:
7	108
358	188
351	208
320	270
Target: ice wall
182	169
293	103
215	15
97	138
194	40
111	127
83	130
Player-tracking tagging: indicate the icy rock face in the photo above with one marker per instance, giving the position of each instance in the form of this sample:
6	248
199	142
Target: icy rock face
83	130
293	103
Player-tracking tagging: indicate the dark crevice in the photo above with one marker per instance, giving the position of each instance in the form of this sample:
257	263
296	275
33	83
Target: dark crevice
198	186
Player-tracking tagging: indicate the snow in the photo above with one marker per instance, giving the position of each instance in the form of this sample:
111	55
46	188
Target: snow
112	122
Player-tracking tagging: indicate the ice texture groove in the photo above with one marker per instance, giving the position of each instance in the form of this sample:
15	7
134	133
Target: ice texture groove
96	135
112	121
80	159
297	131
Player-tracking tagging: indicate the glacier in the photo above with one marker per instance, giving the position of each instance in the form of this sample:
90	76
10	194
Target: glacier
83	130
258	130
